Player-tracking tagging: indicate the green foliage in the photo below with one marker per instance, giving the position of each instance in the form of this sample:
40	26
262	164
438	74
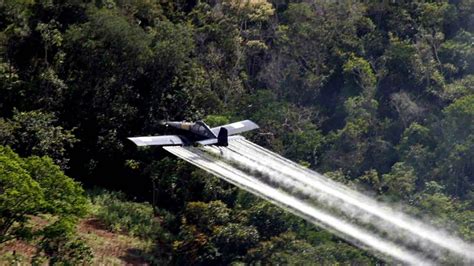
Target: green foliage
268	219
175	183
234	240
355	141
207	215
415	134
35	133
400	182
120	215
61	246
63	196
287	249
216	120
459	88
456	146
20	195
283	249
371	179
290	129
458	54
309	43
193	247
35	186
401	60
458	118
338	176
378	95
359	74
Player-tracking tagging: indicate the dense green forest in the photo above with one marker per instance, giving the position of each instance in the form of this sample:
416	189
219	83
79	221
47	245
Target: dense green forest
378	95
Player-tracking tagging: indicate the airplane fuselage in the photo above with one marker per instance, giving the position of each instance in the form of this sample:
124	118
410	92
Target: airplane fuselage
196	133
192	132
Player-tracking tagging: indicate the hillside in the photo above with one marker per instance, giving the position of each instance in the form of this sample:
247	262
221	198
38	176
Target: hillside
107	247
377	95
108	244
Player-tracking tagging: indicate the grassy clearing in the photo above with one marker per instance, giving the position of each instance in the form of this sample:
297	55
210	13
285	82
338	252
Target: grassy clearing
104	231
113	248
109	248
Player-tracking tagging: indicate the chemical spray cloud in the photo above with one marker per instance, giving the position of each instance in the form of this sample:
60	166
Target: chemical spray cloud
343	229
347	213
354	204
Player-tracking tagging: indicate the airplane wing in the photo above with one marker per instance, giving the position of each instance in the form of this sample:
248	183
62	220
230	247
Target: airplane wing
157	140
236	128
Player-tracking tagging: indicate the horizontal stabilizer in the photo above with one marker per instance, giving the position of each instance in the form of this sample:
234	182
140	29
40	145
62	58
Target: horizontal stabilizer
236	128
157	140
207	142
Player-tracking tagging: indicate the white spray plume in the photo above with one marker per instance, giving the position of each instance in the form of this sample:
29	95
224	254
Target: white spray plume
354	234
422	232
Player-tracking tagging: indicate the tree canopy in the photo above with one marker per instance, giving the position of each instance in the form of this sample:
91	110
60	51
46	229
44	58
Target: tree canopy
378	95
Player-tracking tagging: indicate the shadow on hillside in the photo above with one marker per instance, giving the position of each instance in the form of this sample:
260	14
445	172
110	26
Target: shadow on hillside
136	256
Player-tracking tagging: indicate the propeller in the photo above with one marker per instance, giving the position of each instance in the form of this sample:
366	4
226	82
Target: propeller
163	123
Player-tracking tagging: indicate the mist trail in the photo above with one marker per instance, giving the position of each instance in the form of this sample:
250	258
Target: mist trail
343	229
343	209
419	233
347	213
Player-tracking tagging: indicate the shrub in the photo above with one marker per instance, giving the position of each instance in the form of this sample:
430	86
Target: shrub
62	246
120	215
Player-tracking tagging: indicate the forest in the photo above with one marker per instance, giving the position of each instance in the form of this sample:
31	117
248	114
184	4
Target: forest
378	95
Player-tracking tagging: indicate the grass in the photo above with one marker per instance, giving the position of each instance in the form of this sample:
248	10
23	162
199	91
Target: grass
110	247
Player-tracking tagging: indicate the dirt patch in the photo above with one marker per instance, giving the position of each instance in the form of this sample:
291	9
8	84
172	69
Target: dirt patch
19	247
23	247
93	225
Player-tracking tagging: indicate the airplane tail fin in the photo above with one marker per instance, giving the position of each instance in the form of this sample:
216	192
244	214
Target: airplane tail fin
222	138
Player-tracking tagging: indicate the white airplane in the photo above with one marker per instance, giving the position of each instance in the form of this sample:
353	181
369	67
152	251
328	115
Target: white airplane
196	133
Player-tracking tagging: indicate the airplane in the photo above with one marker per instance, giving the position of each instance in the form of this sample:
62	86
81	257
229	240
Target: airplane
196	133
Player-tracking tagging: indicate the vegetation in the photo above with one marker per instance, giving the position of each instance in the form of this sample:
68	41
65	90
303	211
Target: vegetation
119	215
378	95
34	186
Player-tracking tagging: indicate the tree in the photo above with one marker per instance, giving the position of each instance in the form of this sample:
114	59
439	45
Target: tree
268	219
37	133
371	93
207	215
402	65
457	55
416	149
435	203
359	77
233	240
286	248
352	144
311	41
282	249
287	128
357	146
408	110
61	246
34	186
63	196
400	182
456	146
20	195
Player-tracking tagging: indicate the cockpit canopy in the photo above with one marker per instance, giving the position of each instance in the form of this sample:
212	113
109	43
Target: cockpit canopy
202	129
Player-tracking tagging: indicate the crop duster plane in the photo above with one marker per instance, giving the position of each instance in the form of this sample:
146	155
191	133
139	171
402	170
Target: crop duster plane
196	133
